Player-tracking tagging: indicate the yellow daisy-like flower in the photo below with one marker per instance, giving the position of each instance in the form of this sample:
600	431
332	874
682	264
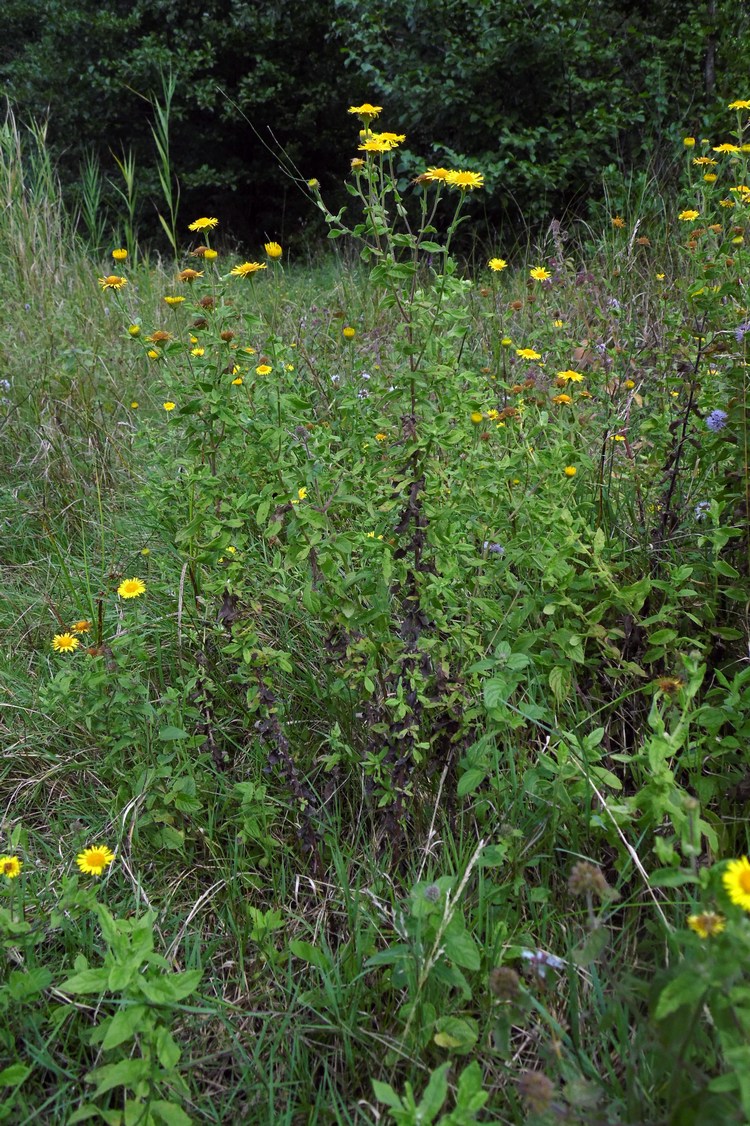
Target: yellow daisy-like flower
197	352
493	415
131	588
736	880
263	369
563	399
570	376
134	405
689	215
702	161
174	300
476	417
497	264
209	254
381	437
707	925
726	148
246	268
618	221
506	342
365	110
112	281
134	330
65	643
10	867
528	354
203	225
273	250
465	181
189	275
726	203
629	384
377	142
538	273
169	405
301	495
237	382
710	177
93	861
570	470
434	175
357	163
120	254
349	332
688	142
741	104
84	626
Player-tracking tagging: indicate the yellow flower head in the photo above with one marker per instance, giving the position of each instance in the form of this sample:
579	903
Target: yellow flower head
465	181
237	382
736	880
203	225
381	437
528	354
131	588
93	861
189	275
209	254
538	273
688	142
134	405
134	330
313	184
263	369
704	161
247	268
65	643
562	399
120	254
349	332
10	867
570	470
169	405
506	342
570	376
84	626
197	352
710	177
366	110
739	105
497	264
689	215
174	300
112	281
618	221
707	925
357	163
273	250
433	175
477	417
381	142
726	148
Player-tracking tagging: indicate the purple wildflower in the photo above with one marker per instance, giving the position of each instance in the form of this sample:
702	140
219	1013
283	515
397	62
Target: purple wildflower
717	420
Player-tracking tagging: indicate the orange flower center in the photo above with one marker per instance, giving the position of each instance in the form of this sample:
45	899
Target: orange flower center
744	880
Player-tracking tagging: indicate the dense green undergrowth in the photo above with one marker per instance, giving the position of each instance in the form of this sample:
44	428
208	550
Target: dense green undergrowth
389	626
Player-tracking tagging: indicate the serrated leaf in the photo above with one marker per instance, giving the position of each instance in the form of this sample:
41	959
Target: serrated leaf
470	781
685	989
463	950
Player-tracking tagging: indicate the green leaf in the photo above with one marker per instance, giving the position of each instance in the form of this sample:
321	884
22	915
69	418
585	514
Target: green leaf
470	781
14	1075
125	1073
167	1049
124	1024
457	1034
463	950
88	981
170	1113
434	1094
167	734
592	948
28	986
384	1093
309	953
170	988
685	989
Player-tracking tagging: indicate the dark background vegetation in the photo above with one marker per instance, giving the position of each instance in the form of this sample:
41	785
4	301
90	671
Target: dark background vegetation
545	97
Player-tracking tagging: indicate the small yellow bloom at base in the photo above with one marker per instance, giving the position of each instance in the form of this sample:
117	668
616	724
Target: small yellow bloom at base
93	861
570	376
313	184
263	369
476	417
237	382
562	399
134	405
169	405
10	867
629	384
209	254
189	275
707	925
174	300
84	626
302	493
203	224
197	352
538	273
688	142
365	110
689	215
120	254
506	342
273	250
152	354
131	588
134	330
740	104
65	643
381	437
570	470
497	264
736	880
349	332
528	354
618	221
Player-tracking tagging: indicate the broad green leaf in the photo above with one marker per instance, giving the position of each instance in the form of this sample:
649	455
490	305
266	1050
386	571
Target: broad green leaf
685	989
88	981
170	988
14	1075
456	1034
124	1024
